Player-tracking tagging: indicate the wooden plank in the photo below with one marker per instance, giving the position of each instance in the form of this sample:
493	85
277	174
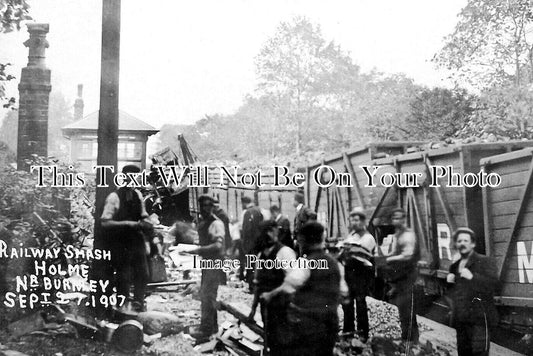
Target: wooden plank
357	188
450	219
241	315
516	290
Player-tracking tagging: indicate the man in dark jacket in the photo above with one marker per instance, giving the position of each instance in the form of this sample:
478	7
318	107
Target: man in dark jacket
473	280
303	214
284	226
250	232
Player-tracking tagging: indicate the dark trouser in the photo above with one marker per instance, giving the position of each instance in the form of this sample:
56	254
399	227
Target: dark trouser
275	324
208	298
361	313
131	265
472	339
360	281
405	301
315	334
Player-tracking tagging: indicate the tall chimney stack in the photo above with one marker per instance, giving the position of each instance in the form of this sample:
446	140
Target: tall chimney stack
34	92
78	104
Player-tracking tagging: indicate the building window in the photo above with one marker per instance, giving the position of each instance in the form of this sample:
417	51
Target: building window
94	149
85	149
127	150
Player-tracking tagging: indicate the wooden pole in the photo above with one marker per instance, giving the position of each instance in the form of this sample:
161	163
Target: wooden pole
108	114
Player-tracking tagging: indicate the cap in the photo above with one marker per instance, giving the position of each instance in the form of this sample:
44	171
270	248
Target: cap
358	211
130	168
464	230
205	198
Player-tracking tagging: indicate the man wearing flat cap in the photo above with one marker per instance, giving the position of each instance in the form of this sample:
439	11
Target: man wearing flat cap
211	237
124	219
303	214
356	254
473	280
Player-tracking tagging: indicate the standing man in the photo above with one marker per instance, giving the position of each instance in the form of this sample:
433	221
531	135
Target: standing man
250	233
402	267
123	219
211	238
284	226
303	213
312	317
472	280
356	254
273	314
221	214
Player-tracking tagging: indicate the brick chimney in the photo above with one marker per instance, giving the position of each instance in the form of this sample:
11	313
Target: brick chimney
34	92
78	104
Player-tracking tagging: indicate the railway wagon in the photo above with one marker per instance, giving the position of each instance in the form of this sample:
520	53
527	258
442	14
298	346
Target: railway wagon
332	203
229	194
508	227
434	212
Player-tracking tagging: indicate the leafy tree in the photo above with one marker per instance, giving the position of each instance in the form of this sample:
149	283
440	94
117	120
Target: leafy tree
12	13
501	114
296	69
438	113
492	43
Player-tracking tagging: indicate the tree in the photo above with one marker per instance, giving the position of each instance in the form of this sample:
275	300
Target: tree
438	113
492	43
12	13
501	114
296	70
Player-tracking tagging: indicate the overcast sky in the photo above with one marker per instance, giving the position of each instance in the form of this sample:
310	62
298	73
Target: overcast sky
181	60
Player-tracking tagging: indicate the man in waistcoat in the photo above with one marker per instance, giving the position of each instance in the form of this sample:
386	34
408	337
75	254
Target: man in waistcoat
123	220
316	293
274	313
211	236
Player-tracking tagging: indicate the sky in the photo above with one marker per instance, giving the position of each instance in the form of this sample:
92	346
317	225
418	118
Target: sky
181	60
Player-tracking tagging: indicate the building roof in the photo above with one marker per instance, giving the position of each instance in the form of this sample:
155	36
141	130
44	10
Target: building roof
126	122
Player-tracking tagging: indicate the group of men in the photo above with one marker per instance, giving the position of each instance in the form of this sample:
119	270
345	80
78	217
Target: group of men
299	306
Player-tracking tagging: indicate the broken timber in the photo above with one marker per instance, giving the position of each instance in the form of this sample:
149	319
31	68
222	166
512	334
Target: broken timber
242	317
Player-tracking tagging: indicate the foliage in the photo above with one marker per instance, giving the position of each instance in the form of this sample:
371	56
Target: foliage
492	43
437	114
297	69
502	114
44	217
12	13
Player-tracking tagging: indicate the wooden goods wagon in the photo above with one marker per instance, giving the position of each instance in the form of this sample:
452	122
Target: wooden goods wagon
508	211
333	203
230	195
435	212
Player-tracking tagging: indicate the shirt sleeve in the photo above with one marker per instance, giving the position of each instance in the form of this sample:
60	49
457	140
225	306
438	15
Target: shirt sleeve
295	278
144	214
407	244
216	231
111	206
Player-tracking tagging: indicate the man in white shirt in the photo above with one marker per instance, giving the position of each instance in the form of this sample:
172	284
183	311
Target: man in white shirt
356	254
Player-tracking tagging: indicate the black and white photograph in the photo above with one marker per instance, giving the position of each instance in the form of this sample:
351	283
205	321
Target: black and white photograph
266	178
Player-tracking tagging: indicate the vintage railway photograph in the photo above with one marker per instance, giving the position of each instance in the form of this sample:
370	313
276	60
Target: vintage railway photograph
264	178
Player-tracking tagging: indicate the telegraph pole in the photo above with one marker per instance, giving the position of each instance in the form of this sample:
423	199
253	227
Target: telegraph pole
107	133
108	114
